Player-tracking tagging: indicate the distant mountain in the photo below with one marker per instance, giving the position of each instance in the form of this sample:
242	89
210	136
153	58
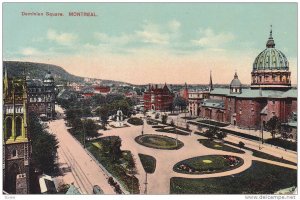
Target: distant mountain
39	70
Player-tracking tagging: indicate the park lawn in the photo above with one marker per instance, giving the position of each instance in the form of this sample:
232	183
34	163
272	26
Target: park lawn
260	178
263	155
117	169
219	146
148	162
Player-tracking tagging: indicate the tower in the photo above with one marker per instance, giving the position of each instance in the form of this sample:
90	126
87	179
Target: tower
16	142
49	87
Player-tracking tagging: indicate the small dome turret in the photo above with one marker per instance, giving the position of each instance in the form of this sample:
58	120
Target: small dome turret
235	85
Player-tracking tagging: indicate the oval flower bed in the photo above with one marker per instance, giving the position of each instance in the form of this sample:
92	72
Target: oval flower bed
208	164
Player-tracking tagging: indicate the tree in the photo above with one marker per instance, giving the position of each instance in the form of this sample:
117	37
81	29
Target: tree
103	112
209	133
241	144
172	123
164	118
180	103
220	134
115	148
90	127
156	115
44	146
273	126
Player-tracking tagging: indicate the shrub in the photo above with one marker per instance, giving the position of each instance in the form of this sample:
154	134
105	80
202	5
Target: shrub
135	121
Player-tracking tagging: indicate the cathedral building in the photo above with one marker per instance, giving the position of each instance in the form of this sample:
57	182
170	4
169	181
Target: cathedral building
270	94
158	99
16	140
42	96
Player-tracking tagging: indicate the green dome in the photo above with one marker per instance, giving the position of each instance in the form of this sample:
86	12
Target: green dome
271	58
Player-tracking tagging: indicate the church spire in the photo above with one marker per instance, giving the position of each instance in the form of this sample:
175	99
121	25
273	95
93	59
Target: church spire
210	83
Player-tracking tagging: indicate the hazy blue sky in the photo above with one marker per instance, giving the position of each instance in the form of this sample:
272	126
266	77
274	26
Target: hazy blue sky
151	42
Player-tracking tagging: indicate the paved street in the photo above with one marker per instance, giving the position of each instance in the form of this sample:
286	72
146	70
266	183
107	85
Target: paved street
85	171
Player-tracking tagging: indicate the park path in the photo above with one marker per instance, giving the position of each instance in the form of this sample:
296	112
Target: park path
159	181
85	170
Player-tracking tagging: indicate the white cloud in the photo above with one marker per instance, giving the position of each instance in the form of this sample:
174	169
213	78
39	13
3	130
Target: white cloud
118	40
61	38
29	51
152	33
174	25
210	39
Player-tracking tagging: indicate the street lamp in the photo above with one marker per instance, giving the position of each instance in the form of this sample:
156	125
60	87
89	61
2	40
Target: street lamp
143	126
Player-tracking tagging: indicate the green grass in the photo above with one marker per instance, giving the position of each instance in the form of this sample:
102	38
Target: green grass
135	121
263	155
260	178
282	143
117	169
219	146
159	142
148	162
206	165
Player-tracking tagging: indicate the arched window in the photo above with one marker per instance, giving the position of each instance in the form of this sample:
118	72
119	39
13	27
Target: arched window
8	127
18	126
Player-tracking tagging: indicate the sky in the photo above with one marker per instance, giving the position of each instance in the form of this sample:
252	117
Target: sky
145	43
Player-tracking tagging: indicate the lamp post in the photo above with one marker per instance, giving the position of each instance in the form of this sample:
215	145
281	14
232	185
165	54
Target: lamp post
143	126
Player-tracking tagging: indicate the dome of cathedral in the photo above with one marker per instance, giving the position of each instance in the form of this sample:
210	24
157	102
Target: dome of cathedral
271	58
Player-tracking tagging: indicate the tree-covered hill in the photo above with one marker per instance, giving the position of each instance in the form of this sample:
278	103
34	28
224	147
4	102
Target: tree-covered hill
39	70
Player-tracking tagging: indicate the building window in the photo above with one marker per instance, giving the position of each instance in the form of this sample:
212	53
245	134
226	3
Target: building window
18	126
8	127
14	153
273	101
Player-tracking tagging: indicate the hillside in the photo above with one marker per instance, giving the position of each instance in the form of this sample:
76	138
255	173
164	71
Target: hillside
39	70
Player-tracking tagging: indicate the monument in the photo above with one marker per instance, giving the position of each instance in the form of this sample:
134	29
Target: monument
119	122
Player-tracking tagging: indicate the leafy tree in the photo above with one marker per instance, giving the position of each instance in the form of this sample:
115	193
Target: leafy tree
187	126
90	127
164	118
98	99
273	126
103	112
180	103
220	134
44	145
210	133
172	123
115	148
156	115
241	144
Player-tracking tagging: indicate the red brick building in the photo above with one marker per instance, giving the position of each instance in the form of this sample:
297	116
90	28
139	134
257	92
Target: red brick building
270	94
159	99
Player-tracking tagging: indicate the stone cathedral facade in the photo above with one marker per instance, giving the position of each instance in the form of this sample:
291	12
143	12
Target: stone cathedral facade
16	140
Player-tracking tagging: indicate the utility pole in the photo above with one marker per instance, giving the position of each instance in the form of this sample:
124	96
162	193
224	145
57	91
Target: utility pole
176	131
